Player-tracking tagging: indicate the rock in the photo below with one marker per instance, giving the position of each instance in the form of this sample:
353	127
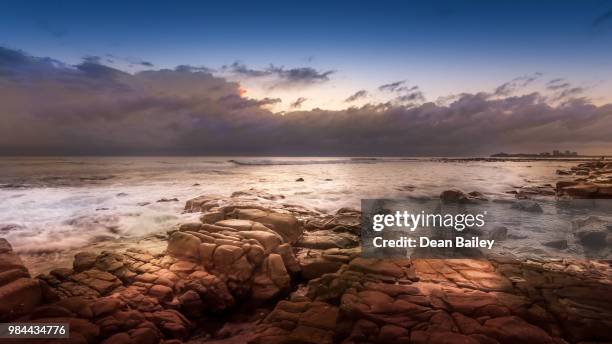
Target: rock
206	254
326	239
299	179
106	306
392	333
499	233
286	225
256	254
377	266
19	294
212	217
161	292
50	311
592	231
310	335
476	195
184	245
168	200
83	261
316	267
528	206
225	255
513	329
82	327
559	244
77	305
172	323
454	196
277	271
100	281
440	337
269	241
289	259
119	338
190	227
320	315
577	190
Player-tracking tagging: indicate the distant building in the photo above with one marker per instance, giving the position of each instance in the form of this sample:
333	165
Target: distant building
555	153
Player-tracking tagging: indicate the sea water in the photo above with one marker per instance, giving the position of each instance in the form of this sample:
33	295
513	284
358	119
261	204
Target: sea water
64	203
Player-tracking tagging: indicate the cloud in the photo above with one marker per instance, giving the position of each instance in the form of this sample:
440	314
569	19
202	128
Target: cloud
131	61
356	96
48	107
303	75
516	84
557	84
412	96
298	103
569	93
242	70
391	87
193	69
602	19
284	76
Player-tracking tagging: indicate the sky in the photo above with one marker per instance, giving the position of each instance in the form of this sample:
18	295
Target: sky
305	78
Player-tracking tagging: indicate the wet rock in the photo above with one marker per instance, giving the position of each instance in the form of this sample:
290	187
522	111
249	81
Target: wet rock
560	244
326	239
454	196
499	233
19	297
184	245
316	267
528	206
84	261
286	225
19	294
212	217
592	232
299	179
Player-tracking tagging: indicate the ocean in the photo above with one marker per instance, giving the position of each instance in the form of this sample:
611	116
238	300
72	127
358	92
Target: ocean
55	205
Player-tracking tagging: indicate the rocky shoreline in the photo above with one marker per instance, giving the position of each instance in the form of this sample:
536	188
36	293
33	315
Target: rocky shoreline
254	270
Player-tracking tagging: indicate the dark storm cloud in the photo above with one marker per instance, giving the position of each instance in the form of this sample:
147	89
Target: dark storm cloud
284	76
298	103
242	70
235	102
47	107
356	96
391	87
303	75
